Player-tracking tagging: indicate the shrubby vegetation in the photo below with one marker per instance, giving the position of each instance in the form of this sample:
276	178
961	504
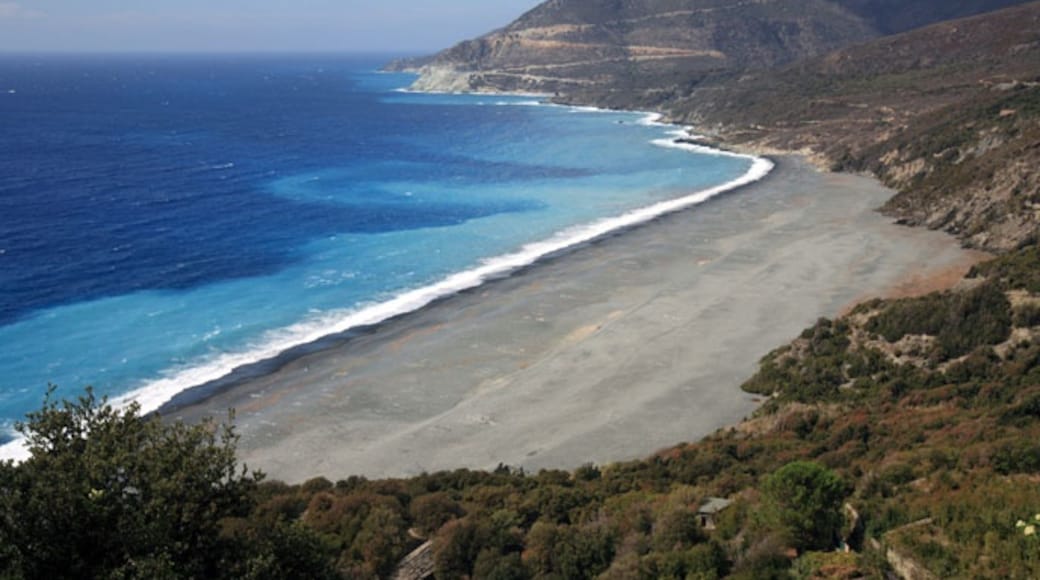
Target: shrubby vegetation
960	321
932	454
1016	271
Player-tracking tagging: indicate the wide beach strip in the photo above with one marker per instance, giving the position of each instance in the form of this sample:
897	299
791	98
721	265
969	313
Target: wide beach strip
608	352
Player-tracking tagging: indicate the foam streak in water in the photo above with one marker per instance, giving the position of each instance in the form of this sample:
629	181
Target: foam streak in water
153	395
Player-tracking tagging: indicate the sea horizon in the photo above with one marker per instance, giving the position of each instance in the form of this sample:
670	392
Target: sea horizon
486	185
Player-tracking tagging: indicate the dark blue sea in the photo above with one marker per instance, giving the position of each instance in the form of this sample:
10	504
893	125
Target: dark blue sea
164	220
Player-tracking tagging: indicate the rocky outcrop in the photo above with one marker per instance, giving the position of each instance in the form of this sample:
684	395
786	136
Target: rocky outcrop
445	78
989	197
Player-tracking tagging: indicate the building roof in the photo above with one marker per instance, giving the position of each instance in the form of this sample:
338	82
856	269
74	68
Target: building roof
713	505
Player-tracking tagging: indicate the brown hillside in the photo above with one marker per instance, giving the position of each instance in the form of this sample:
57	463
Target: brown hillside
948	114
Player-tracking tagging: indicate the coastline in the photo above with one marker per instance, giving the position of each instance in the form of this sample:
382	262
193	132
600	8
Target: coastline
605	352
195	384
163	394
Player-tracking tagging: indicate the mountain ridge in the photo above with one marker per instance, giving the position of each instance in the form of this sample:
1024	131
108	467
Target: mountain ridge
583	50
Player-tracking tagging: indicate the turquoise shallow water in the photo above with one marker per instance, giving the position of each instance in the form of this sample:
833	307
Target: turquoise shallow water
164	220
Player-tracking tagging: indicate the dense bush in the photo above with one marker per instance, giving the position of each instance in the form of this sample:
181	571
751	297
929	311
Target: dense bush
814	376
1014	271
961	321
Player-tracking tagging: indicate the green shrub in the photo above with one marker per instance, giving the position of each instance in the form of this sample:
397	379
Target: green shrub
704	562
1019	270
677	530
961	321
431	511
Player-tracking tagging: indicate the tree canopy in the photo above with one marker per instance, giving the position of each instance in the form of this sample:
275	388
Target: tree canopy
805	499
106	493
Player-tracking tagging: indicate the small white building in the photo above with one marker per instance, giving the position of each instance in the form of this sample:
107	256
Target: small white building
710	510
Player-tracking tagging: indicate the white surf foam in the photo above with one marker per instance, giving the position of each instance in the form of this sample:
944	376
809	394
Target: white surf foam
154	394
581	109
694	147
652	120
411	91
521	103
15	449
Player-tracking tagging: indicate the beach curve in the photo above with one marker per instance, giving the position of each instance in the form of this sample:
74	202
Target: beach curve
280	344
609	352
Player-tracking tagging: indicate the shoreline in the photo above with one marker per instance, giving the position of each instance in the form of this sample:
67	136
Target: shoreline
160	396
165	395
370	318
604	352
493	269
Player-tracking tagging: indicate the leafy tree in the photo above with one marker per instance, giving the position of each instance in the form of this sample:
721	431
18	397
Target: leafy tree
677	530
492	565
456	549
107	493
431	511
805	499
282	550
703	562
568	551
382	540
